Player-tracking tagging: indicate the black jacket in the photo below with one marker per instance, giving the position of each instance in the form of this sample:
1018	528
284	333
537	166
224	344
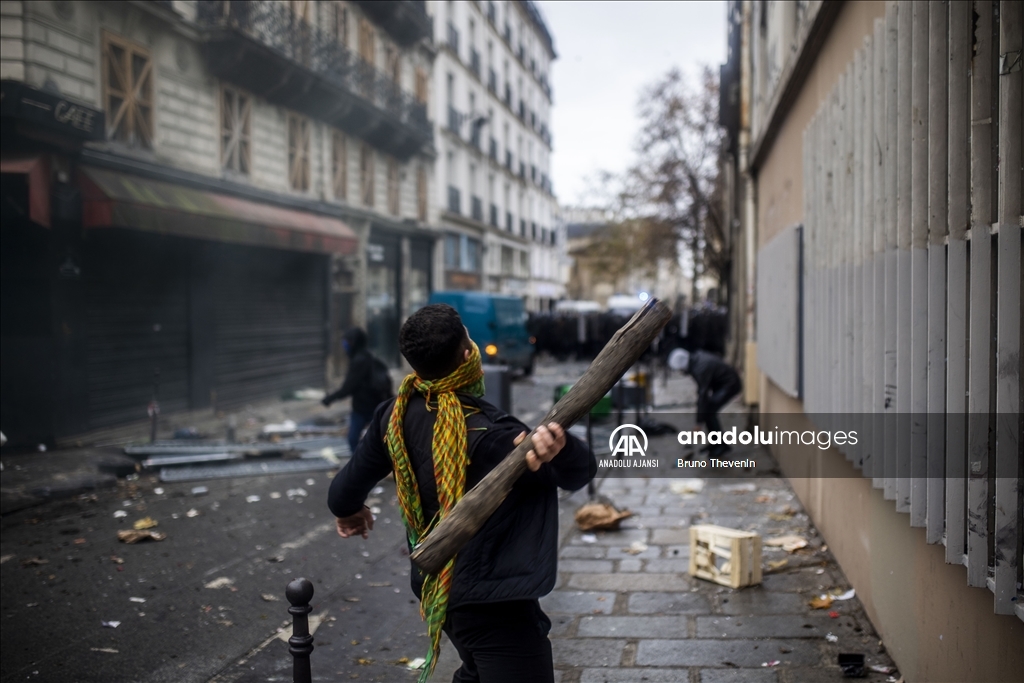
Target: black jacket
357	382
711	374
513	557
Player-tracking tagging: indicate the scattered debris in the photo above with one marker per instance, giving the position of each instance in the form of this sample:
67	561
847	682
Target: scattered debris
221	582
145	523
252	499
110	624
352	599
739	488
789	543
880	669
417	663
833	614
275	495
588	538
116	560
364	661
687	486
118	514
635	548
831	637
774	662
79	541
275	558
776	565
600	516
5	558
823	601
137	599
383	584
159	491
192	513
846	595
377	490
108	650
310	482
286	427
34	562
134	535
296	493
269	597
200	490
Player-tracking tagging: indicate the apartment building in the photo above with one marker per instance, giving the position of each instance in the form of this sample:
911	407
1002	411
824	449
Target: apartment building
492	112
877	183
199	197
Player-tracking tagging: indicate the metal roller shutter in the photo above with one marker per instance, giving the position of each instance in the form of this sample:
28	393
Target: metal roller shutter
270	323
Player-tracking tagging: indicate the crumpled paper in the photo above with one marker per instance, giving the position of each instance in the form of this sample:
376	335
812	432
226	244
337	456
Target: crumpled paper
594	516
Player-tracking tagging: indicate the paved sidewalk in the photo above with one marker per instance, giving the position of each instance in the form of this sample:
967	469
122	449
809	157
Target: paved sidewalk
626	611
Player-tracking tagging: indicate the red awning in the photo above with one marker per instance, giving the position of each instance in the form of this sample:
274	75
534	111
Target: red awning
38	171
116	200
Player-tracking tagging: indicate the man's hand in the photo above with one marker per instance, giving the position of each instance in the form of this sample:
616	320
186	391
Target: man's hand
359	524
547	443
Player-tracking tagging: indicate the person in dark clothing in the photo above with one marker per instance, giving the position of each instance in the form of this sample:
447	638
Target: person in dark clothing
358	384
440	438
717	384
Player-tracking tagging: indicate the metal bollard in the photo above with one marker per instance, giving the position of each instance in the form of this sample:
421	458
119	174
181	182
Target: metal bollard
299	592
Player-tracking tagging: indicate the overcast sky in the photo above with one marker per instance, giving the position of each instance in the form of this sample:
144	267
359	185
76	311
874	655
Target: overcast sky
607	52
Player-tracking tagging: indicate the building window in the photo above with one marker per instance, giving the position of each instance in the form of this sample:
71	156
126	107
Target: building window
421	193
298	152
461	253
366	175
367	42
235	130
341	23
421	86
339	165
394	205
128	91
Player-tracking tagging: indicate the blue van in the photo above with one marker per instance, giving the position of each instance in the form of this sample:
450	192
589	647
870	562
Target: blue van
497	323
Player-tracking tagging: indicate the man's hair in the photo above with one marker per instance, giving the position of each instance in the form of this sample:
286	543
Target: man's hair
432	340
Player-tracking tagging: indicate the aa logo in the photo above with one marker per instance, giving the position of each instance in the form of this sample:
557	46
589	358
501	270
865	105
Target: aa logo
624	441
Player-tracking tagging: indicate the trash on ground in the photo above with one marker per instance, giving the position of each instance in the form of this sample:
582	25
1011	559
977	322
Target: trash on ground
789	543
159	491
382	584
729	557
600	516
377	490
110	624
417	663
274	495
775	565
831	637
79	541
846	595
635	548
588	538
145	523
823	601
296	493
200	490
286	427
220	582
269	597
116	560
252	499
108	650
34	562
192	513
310	482
118	514
687	486
5	558
135	535
315	621
771	663
137	599
880	669
833	614
852	664
275	558
739	488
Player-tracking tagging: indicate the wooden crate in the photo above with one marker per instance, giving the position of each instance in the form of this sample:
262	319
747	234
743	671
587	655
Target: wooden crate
727	556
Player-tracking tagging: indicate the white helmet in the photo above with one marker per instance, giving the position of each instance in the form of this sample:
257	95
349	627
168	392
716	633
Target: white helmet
679	359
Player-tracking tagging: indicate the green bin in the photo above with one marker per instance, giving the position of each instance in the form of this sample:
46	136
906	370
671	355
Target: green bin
603	408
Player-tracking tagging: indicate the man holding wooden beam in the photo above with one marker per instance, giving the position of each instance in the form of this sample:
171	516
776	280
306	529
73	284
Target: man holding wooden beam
440	438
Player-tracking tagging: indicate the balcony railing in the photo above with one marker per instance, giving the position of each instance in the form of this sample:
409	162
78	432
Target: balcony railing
264	48
477	208
494	215
474	62
453	38
454	200
406	20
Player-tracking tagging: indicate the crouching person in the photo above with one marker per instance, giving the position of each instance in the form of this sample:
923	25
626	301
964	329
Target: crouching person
440	438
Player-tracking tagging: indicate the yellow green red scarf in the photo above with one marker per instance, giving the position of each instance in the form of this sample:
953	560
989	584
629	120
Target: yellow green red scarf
449	448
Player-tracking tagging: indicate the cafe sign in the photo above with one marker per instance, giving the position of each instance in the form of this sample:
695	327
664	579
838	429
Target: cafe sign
48	110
